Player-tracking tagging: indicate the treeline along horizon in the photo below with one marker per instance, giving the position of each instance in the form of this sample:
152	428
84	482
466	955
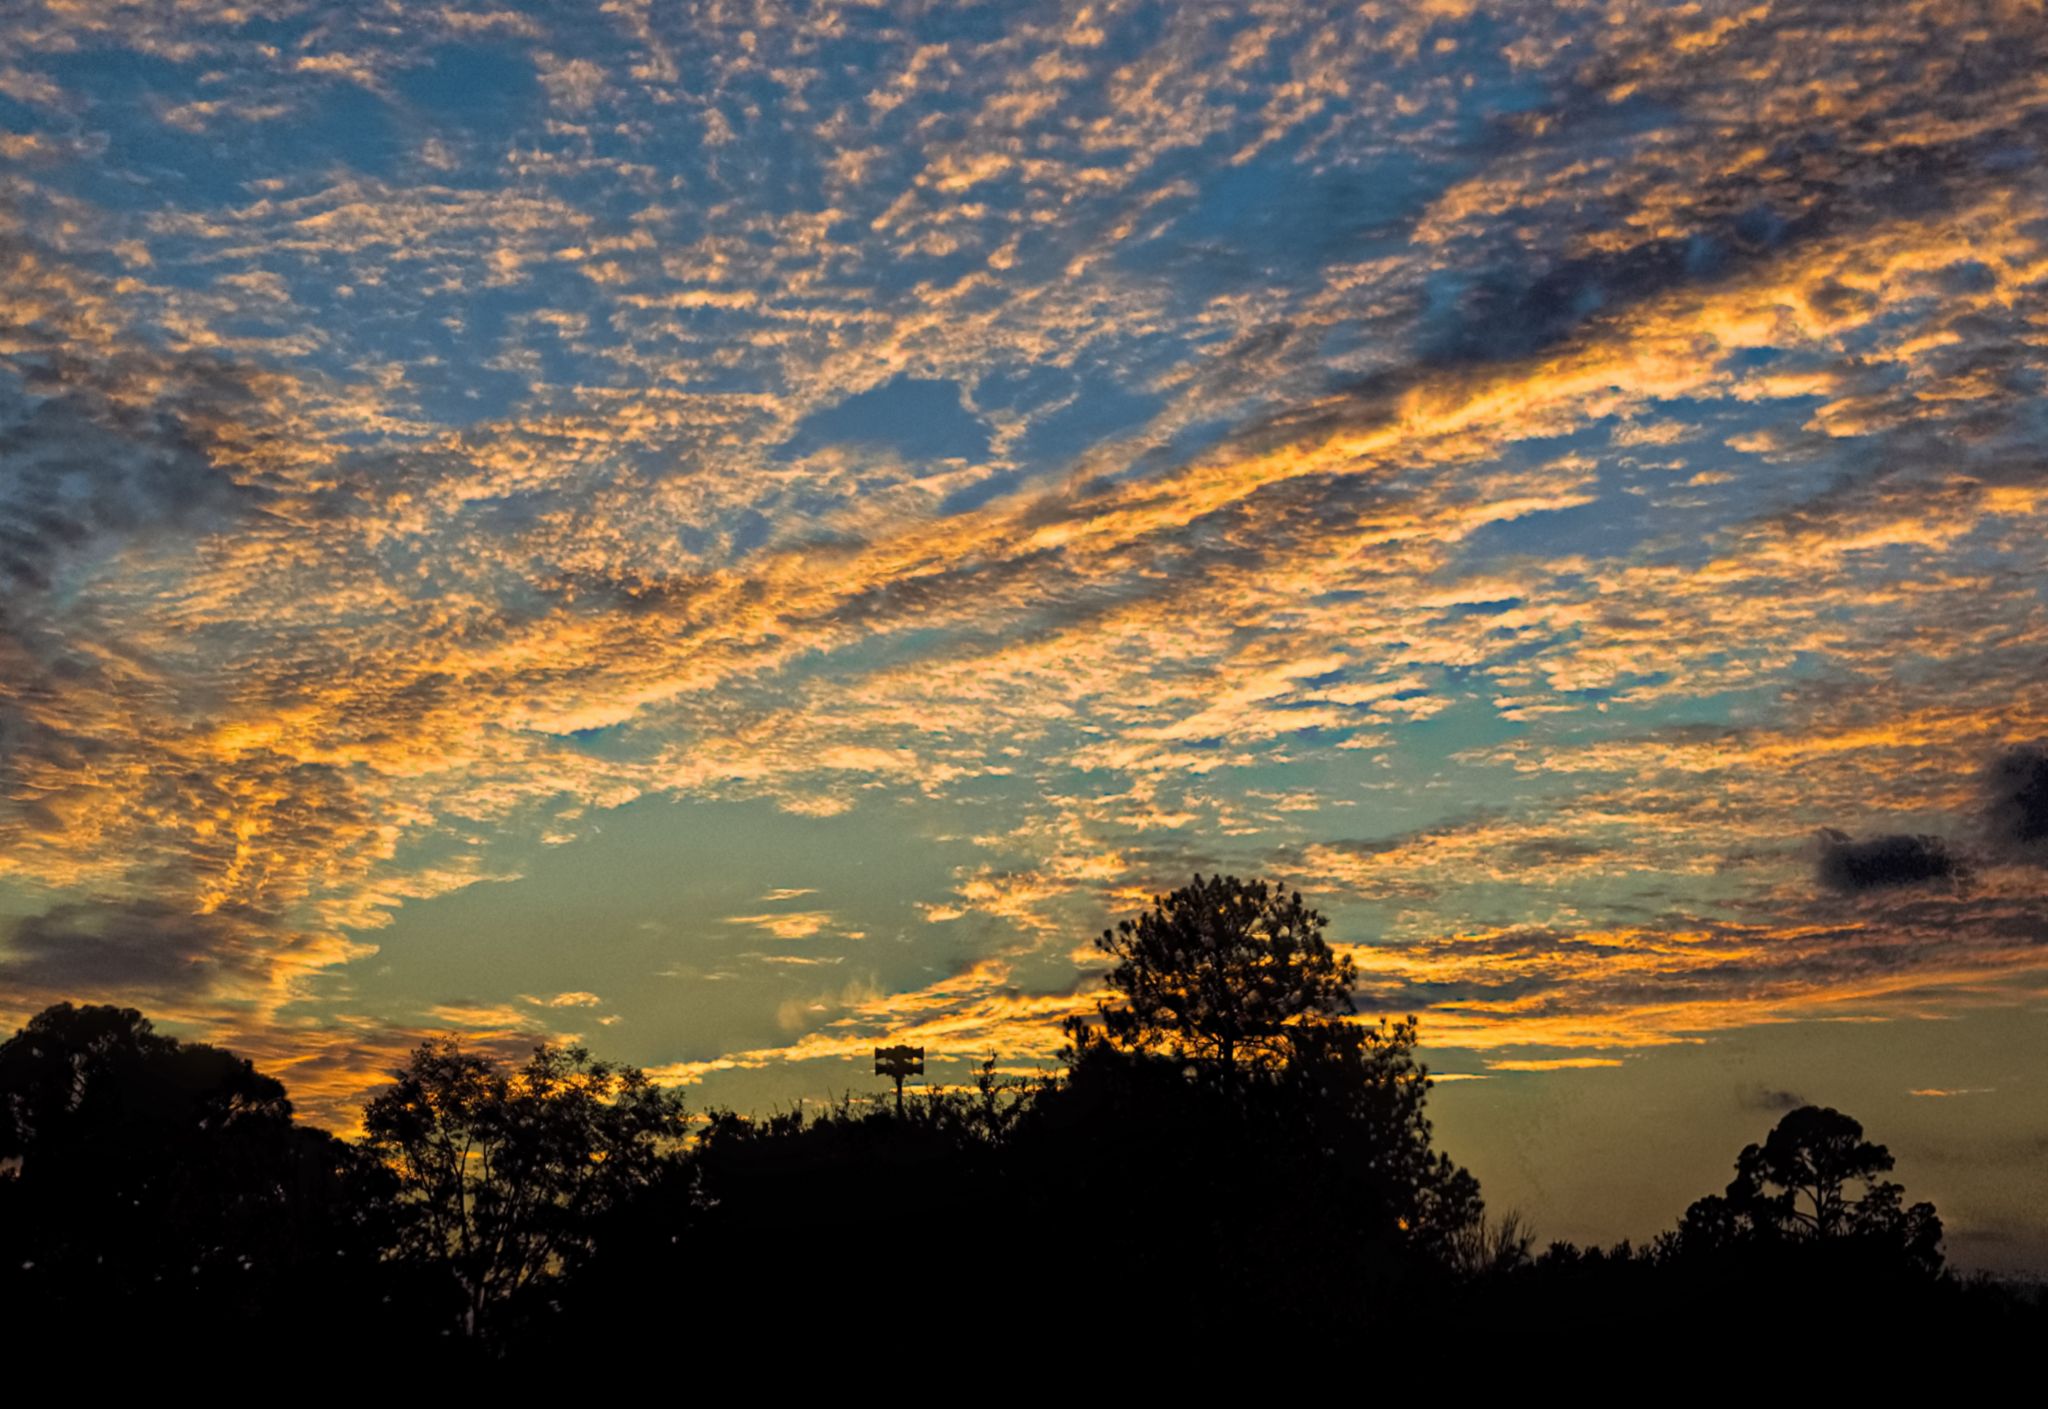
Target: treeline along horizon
1225	1153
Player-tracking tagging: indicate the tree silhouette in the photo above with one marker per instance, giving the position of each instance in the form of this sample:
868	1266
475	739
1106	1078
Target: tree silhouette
1799	1185
1219	973
1224	1123
503	1174
86	1082
1358	1093
168	1178
157	1194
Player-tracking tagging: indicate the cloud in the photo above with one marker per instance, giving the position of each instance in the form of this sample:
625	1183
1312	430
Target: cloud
1759	1097
1514	553
2016	801
80	473
787	924
1881	863
142	949
479	1017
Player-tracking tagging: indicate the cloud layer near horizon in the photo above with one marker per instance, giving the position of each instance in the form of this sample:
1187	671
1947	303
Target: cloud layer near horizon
1558	484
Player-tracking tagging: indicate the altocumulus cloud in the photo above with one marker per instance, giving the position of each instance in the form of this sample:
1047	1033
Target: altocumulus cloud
1508	468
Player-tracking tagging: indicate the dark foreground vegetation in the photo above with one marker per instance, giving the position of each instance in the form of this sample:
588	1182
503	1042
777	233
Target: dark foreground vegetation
1229	1166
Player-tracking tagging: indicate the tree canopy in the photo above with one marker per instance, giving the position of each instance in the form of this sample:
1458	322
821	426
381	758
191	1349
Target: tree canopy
1230	1097
1219	973
504	1173
167	1175
1815	1178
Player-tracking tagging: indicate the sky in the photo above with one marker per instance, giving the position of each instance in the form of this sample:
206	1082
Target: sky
736	532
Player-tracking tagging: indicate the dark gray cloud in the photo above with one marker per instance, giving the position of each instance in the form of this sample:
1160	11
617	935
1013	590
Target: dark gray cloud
1759	1097
2016	801
1538	852
1880	863
77	466
1835	163
132	947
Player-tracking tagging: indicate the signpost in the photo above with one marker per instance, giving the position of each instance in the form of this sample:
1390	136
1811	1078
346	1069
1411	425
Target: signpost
899	1062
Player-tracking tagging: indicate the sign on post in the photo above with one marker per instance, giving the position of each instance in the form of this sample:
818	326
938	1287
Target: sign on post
899	1062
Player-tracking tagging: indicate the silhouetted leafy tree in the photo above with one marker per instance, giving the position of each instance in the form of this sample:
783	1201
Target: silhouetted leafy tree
1218	973
166	1182
504	1174
1359	1096
1224	1125
843	1215
1802	1184
1312	1179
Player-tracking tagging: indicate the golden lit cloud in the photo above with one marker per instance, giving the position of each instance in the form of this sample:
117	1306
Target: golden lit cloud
1517	473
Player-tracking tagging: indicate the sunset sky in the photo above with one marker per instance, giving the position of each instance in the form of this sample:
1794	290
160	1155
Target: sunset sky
741	531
